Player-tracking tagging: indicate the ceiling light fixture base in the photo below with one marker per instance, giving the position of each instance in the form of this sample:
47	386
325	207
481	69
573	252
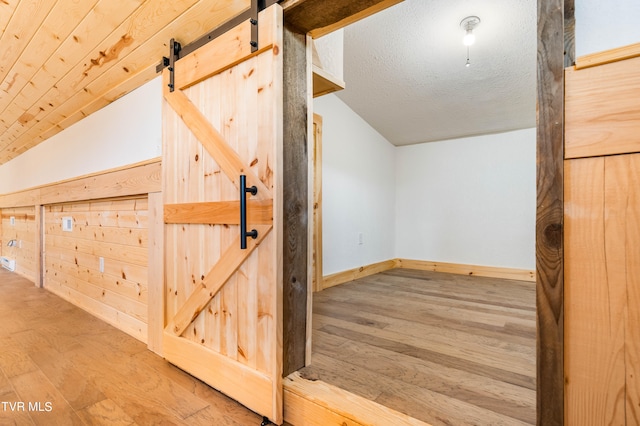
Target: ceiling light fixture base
469	23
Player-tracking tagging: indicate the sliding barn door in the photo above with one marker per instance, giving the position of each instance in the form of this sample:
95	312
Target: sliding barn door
223	301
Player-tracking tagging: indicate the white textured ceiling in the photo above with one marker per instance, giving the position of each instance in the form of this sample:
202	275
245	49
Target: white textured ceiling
405	69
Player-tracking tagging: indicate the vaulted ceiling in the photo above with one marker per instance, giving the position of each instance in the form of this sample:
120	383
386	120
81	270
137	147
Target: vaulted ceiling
61	60
64	59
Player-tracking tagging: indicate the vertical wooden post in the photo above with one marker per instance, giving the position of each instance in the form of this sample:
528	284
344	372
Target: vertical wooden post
569	33
155	274
317	203
295	194
549	214
311	240
39	246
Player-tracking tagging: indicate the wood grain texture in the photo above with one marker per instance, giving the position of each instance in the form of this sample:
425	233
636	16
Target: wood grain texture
92	373
216	368
223	304
602	234
7	9
317	403
295	199
233	47
355	273
27	18
320	17
219	212
471	270
67	59
602	268
608	56
602	110
317	273
25	233
325	83
134	179
227	265
569	33
549	213
214	142
155	284
38	246
119	294
424	265
477	365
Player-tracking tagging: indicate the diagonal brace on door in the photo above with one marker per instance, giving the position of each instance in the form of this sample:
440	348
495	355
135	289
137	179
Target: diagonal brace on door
215	144
215	279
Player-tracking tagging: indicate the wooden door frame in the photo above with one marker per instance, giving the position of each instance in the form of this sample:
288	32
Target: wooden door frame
556	30
555	36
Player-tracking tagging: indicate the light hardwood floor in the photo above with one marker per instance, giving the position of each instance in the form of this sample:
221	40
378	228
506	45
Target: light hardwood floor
75	369
445	349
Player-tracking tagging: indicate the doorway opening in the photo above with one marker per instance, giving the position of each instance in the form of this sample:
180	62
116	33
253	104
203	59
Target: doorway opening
431	297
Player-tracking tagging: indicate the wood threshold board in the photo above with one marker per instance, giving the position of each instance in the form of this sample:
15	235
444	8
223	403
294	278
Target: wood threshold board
317	403
424	265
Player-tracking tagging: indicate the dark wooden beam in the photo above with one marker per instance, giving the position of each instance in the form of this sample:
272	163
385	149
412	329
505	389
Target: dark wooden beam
549	214
569	33
295	202
320	17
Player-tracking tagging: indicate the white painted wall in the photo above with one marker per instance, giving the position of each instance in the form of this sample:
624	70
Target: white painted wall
469	201
478	203
358	189
126	131
603	25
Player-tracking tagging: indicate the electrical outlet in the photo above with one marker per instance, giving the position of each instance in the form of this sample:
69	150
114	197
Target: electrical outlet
12	221
67	224
360	239
102	264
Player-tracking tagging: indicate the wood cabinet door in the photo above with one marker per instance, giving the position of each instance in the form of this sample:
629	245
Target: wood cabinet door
602	290
223	304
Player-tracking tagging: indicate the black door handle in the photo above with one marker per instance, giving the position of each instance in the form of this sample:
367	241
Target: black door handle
244	234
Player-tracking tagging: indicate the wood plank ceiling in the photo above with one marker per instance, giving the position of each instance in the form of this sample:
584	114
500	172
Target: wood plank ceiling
61	60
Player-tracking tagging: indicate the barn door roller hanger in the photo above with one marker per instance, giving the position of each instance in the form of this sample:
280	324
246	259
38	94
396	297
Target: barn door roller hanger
176	51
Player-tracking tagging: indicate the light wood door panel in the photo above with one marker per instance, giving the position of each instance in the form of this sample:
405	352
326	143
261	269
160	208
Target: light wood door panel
602	290
223	312
602	109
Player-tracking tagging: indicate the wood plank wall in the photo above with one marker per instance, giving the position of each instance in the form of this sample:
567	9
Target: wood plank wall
602	235
111	220
115	230
24	232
